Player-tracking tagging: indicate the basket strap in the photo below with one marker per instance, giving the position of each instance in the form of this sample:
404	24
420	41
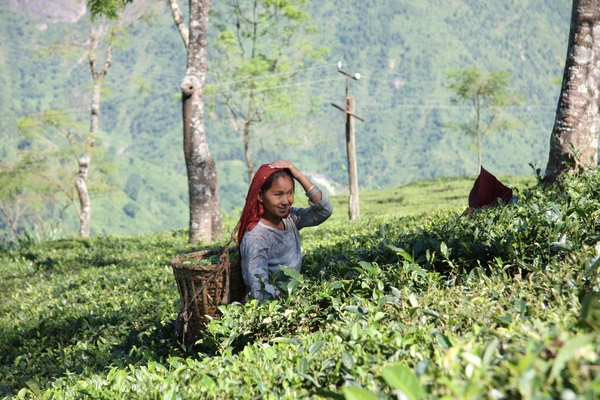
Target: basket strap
225	298
225	255
235	231
224	260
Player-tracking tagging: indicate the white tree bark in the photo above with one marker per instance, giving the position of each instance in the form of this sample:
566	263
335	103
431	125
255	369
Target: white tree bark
179	22
205	212
85	204
574	140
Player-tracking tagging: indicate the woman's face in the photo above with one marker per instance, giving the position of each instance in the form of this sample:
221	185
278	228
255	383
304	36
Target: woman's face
278	199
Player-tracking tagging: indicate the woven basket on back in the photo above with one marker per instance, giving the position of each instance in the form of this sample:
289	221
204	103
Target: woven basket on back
203	288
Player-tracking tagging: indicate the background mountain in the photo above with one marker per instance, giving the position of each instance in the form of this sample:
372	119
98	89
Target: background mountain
403	50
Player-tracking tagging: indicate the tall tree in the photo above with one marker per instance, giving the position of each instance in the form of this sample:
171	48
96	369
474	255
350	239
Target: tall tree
105	26
205	210
489	94
574	139
260	52
102	11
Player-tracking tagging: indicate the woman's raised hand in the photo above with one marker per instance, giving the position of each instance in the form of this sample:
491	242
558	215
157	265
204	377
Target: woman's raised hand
287	165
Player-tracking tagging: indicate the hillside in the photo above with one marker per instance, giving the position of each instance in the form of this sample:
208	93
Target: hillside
403	49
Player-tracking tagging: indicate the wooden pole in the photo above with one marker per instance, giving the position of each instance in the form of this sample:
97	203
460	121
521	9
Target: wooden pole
353	205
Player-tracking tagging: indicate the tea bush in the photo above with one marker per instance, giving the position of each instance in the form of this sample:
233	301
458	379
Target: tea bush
500	303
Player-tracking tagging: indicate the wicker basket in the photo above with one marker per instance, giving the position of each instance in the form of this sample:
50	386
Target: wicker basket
204	288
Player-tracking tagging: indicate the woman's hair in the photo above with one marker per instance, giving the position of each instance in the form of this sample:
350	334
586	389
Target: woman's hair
273	177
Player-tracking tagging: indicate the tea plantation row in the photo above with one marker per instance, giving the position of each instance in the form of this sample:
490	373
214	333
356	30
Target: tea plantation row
501	303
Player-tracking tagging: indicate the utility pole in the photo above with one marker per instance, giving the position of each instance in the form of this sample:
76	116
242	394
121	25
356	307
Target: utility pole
353	204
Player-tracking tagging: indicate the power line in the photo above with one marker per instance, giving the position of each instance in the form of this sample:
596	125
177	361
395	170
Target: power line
78	109
379	98
452	106
277	87
268	76
209	96
178	77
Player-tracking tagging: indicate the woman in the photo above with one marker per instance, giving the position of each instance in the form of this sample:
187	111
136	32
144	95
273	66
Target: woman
268	235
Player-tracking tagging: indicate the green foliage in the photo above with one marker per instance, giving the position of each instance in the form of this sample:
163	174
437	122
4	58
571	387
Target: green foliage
404	380
487	89
21	194
259	53
486	305
54	143
403	49
36	182
106	8
130	209
428	196
133	185
489	95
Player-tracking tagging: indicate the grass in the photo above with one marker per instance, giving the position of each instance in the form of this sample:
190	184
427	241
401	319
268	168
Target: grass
421	197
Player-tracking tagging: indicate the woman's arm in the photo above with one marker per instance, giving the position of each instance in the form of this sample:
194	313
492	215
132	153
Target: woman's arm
307	185
314	215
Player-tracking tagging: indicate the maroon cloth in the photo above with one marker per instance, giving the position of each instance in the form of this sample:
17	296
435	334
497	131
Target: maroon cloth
486	191
253	209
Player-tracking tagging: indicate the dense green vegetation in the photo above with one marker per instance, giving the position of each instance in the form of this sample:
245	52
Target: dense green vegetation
403	49
500	303
422	197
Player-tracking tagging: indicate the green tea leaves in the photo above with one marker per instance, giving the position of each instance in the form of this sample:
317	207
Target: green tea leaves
404	380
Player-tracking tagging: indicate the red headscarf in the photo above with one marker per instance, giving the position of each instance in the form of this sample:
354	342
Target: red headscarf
253	209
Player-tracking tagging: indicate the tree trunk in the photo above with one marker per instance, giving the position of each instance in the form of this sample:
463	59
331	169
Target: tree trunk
85	205
574	139
246	137
205	216
477	105
95	106
479	159
85	202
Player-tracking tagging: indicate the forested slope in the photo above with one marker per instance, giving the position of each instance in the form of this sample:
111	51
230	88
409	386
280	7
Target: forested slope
403	49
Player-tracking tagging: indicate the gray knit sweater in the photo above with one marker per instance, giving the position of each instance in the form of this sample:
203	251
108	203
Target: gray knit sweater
264	249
